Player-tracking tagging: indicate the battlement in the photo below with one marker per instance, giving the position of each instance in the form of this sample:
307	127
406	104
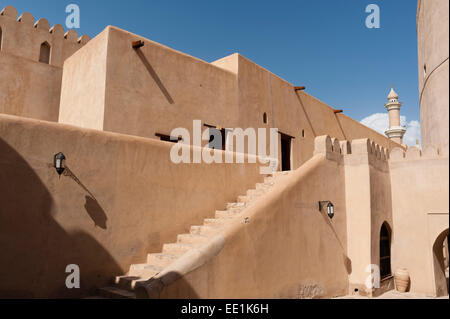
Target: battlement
333	148
24	37
416	153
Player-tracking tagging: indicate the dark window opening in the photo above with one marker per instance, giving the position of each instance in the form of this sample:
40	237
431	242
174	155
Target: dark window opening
265	118
385	252
303	133
168	138
217	138
44	55
1	37
285	152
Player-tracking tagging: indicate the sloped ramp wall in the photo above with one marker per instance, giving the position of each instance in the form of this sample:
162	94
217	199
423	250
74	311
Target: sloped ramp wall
282	247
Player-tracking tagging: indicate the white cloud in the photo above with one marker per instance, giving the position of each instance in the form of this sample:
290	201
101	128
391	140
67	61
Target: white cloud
412	133
380	123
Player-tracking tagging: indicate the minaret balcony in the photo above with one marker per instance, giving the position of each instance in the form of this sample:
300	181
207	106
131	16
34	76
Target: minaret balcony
396	131
393	106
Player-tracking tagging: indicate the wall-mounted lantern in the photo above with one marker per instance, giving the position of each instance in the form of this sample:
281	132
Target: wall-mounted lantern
330	208
58	163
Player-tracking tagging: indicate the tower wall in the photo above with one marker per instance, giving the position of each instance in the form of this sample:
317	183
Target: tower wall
420	206
433	47
394	118
28	87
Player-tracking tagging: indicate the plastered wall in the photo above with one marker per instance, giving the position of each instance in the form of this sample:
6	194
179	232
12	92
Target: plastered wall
126	200
420	186
287	248
28	87
368	198
157	89
433	35
284	247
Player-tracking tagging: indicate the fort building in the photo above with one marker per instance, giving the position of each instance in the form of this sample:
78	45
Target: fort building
139	225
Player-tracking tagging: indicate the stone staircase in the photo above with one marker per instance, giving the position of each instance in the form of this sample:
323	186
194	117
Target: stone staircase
123	287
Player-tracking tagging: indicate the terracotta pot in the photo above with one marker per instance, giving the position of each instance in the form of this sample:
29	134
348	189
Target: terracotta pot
401	279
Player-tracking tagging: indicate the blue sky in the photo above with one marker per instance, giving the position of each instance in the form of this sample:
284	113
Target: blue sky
321	44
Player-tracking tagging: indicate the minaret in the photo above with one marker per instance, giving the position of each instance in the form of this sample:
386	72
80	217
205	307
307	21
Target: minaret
395	131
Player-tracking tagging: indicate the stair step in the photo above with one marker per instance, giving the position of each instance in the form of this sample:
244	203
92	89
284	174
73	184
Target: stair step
149	271
141	267
226	214
192	239
243	199
116	293
176	248
269	179
144	271
203	230
128	283
161	260
264	186
277	174
235	205
255	192
236	210
213	222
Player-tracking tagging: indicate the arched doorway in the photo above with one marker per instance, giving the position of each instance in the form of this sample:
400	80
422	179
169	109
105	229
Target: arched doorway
385	251
440	262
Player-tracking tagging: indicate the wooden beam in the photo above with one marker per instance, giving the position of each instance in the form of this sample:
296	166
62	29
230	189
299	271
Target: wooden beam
338	111
219	128
286	135
299	88
168	137
137	44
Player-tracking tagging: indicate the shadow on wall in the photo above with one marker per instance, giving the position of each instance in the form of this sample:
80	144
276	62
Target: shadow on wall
306	114
96	212
347	261
92	206
155	76
35	249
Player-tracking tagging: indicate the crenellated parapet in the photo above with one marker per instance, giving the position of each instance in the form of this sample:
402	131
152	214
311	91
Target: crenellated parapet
353	153
24	37
366	151
414	153
332	148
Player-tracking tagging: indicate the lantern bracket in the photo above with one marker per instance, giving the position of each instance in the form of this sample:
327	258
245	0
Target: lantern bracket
330	208
58	163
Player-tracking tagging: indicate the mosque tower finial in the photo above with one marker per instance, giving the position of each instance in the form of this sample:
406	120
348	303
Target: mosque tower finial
395	131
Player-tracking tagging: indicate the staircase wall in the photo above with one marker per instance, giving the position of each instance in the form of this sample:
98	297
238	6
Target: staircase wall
282	247
126	200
